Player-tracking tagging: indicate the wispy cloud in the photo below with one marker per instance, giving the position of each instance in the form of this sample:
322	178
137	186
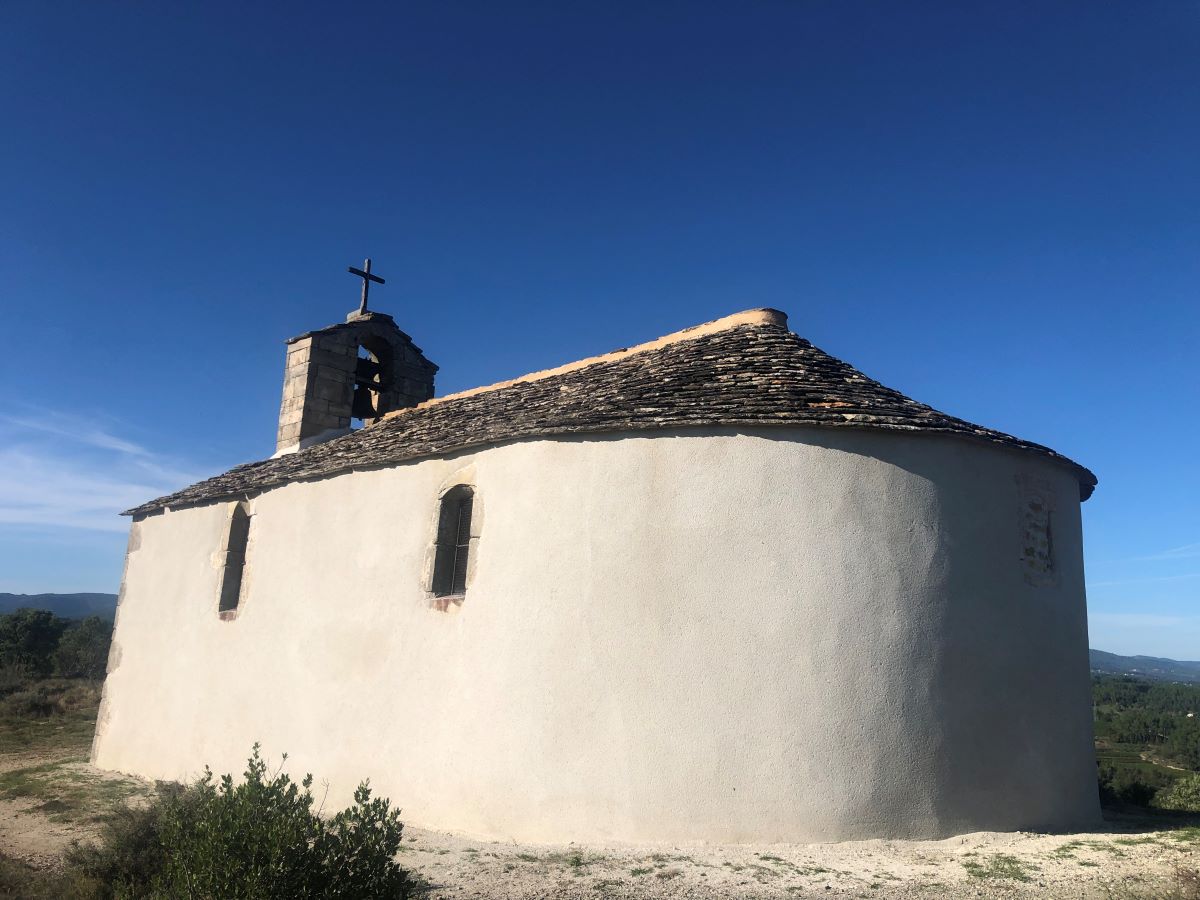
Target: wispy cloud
74	429
63	471
1187	551
1147	580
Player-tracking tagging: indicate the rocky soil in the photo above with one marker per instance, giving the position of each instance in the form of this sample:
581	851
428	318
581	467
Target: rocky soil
1127	860
52	797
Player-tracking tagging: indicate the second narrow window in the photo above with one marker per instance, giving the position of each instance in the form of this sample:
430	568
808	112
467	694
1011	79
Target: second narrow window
235	561
453	542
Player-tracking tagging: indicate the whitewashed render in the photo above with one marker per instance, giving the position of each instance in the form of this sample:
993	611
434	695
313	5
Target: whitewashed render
720	633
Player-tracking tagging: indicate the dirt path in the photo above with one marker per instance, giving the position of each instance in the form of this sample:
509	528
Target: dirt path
48	799
1151	758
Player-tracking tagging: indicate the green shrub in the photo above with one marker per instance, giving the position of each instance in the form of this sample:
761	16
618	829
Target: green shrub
28	638
12	678
33	703
1126	784
258	838
82	650
129	859
1183	795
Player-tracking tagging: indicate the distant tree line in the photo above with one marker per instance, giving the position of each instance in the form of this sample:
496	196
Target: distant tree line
1129	711
35	643
1158	717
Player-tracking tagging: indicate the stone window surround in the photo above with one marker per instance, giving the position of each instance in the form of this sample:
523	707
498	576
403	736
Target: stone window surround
451	603
228	555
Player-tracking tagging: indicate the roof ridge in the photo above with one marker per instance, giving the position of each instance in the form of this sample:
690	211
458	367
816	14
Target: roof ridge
760	316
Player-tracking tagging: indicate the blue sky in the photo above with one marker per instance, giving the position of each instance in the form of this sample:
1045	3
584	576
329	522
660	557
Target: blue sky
994	208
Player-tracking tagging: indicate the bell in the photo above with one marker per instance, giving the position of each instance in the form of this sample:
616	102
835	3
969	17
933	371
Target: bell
363	406
366	369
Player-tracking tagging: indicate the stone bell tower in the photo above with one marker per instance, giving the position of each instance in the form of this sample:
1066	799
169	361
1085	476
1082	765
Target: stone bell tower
360	369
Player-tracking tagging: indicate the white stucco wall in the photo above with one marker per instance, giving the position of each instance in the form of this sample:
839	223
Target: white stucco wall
776	634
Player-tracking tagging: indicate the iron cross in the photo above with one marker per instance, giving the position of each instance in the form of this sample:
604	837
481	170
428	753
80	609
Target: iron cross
365	274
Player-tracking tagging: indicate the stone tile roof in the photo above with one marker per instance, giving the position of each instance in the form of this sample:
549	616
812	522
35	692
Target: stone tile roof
745	370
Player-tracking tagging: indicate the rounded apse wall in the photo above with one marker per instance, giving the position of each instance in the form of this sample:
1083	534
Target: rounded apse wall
777	635
770	634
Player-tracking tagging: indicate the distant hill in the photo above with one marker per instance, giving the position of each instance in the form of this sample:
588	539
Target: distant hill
1145	667
78	606
69	606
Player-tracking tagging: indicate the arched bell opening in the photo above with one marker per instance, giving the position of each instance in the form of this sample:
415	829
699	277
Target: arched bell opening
372	380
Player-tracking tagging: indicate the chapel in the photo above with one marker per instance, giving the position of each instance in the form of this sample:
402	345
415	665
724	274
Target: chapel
716	586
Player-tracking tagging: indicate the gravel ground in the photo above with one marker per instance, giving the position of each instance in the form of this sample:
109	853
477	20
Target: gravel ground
1126	860
1131	858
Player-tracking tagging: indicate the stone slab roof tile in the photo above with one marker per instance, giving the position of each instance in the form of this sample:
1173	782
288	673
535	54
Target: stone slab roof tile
753	372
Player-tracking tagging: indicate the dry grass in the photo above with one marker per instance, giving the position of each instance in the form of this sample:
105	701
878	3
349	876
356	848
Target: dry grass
66	790
54	715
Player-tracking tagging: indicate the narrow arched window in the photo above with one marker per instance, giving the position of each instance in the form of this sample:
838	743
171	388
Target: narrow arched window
235	561
453	542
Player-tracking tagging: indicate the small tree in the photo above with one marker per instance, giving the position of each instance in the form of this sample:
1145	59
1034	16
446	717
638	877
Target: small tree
1183	795
83	649
28	638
